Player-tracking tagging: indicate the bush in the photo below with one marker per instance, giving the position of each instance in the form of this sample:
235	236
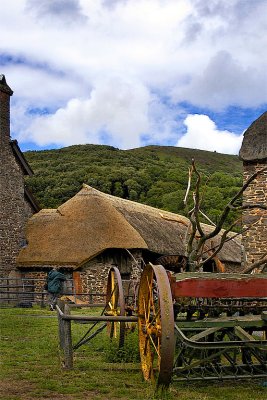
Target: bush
126	354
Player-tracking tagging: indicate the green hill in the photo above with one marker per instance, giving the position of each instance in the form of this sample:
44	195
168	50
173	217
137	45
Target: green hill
154	175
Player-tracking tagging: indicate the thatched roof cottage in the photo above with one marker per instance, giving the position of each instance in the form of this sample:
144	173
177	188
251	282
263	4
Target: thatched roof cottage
93	230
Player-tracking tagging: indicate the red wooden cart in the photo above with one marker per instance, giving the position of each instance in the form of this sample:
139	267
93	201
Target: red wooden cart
202	325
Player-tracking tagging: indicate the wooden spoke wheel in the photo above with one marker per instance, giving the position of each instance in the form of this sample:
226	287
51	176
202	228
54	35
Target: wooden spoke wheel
156	325
115	305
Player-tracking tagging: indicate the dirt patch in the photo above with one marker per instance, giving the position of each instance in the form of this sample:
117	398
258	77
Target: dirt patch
13	389
24	390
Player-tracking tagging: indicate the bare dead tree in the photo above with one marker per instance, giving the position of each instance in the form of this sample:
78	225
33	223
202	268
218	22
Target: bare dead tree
260	264
197	243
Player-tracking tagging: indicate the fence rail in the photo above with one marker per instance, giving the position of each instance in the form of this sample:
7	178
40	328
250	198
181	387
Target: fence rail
26	292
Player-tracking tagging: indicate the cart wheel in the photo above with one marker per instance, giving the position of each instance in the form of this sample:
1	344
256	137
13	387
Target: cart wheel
115	305
131	293
156	325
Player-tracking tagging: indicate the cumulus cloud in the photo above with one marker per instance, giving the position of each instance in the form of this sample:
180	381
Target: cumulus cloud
38	87
120	113
56	11
223	82
58	56
116	110
202	133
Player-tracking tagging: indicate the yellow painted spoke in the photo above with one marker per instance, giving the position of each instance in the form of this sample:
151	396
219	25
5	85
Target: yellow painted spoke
153	343
155	317
149	296
112	287
146	345
145	311
151	291
151	304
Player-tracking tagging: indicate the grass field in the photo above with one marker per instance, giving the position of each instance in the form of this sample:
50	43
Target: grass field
31	367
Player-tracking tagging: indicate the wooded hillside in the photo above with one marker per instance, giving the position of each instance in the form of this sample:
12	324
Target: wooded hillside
154	175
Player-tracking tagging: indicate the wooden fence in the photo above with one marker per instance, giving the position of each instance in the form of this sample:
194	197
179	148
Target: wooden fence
65	318
26	292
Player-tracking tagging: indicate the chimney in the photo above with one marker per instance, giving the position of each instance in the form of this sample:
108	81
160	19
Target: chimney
5	93
253	153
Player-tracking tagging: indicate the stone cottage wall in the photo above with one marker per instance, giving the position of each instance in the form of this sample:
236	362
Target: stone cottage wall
94	281
89	282
14	210
232	267
36	278
255	238
94	274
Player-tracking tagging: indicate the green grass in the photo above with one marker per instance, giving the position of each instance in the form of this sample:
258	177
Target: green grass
31	366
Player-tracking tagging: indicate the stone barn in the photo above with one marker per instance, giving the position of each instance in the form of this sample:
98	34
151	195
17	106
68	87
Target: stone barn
16	202
253	153
93	231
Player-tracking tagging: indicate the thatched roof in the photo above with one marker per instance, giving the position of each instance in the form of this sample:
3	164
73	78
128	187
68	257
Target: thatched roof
254	146
92	222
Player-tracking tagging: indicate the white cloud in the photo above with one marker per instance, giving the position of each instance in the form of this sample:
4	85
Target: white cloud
160	53
225	82
56	11
115	108
40	87
203	134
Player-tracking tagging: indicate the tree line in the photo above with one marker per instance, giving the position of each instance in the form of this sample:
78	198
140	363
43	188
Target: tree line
153	175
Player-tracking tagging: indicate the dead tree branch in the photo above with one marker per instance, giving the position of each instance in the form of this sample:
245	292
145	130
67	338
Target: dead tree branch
223	240
190	172
256	264
195	247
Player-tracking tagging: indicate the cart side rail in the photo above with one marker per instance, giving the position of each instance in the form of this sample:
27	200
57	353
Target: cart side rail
219	286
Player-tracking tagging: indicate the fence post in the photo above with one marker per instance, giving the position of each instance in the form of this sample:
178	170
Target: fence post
8	289
60	304
42	299
67	341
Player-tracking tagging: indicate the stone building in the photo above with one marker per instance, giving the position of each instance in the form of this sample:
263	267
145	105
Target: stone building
16	202
253	153
93	231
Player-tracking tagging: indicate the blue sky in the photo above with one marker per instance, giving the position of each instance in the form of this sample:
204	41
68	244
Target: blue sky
129	73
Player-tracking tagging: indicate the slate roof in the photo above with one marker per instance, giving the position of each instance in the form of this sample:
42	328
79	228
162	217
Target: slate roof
20	158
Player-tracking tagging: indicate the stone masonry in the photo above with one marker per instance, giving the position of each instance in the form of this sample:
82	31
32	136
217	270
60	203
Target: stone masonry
255	238
253	153
14	209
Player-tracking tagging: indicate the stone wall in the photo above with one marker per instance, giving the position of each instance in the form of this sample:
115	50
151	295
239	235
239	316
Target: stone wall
39	279
36	277
91	278
232	267
255	238
94	274
14	209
